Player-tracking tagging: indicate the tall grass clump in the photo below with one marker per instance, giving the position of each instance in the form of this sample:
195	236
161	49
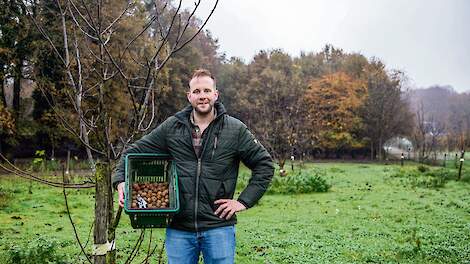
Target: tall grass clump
428	177
38	251
307	181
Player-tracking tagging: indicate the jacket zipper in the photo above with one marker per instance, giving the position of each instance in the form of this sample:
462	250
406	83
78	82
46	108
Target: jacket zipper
198	174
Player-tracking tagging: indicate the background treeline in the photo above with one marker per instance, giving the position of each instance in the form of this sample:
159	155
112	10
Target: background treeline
33	78
324	104
442	121
334	104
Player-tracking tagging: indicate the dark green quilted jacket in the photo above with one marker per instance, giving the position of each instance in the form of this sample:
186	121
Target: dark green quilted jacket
226	142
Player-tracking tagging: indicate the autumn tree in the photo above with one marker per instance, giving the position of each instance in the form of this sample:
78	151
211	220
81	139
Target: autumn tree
7	126
265	94
333	104
18	39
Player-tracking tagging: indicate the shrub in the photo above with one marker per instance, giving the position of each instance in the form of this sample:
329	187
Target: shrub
422	168
36	252
405	173
430	182
52	165
305	182
466	176
426	177
443	173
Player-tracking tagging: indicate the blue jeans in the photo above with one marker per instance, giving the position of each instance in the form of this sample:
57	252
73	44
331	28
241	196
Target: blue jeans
217	246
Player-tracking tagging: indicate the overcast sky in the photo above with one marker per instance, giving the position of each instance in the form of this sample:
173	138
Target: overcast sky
428	39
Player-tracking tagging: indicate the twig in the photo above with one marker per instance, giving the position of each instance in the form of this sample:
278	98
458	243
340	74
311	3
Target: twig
73	224
160	254
67	125
153	252
149	247
89	233
119	17
78	24
26	175
136	247
202	26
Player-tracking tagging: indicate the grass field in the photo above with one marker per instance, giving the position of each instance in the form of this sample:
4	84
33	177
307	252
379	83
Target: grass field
368	216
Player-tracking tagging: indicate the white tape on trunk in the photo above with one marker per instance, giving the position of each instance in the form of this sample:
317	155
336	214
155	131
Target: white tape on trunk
102	249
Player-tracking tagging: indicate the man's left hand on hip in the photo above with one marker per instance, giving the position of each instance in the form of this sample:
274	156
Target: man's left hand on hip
227	208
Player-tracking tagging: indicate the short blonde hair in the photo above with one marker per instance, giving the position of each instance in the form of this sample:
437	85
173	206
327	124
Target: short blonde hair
202	73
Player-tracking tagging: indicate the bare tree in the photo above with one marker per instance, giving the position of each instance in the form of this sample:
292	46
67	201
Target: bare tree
386	112
109	51
436	130
419	133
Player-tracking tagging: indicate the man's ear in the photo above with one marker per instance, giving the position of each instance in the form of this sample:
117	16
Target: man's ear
188	95
216	95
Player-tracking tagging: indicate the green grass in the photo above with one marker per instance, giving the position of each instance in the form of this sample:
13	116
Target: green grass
368	216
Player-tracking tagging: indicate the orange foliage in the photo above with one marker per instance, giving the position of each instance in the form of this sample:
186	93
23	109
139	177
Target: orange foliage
333	102
7	123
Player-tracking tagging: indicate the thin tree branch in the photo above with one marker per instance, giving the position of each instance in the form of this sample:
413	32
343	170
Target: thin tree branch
135	250
73	225
203	25
78	24
81	15
129	4
17	171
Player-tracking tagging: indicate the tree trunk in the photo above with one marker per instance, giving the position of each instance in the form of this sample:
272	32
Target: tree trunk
379	149
16	91
338	154
371	150
103	210
2	87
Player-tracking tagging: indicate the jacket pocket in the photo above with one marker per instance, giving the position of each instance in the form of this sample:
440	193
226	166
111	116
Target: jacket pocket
221	193
209	188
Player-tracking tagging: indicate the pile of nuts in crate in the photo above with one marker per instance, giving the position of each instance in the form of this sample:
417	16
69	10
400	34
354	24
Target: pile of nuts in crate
150	195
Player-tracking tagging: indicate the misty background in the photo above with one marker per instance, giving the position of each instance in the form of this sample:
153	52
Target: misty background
428	40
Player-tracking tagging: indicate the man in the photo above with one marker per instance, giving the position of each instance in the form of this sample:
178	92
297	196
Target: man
207	146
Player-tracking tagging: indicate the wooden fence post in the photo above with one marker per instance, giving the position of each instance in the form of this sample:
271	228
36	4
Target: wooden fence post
461	164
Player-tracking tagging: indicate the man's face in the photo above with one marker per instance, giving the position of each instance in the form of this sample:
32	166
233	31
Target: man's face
202	94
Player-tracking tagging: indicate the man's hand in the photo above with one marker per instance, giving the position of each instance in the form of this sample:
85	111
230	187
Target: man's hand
228	207
120	189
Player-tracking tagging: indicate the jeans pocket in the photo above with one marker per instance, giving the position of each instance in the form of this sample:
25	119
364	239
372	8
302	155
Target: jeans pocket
219	245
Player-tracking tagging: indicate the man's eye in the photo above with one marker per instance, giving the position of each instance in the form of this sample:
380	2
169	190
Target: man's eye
207	90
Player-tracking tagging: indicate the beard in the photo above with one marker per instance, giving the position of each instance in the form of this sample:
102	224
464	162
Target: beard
204	109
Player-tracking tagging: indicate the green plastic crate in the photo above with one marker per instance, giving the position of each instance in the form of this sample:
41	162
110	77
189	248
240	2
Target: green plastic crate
147	167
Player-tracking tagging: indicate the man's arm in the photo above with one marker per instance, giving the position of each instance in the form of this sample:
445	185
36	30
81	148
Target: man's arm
256	158
154	142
